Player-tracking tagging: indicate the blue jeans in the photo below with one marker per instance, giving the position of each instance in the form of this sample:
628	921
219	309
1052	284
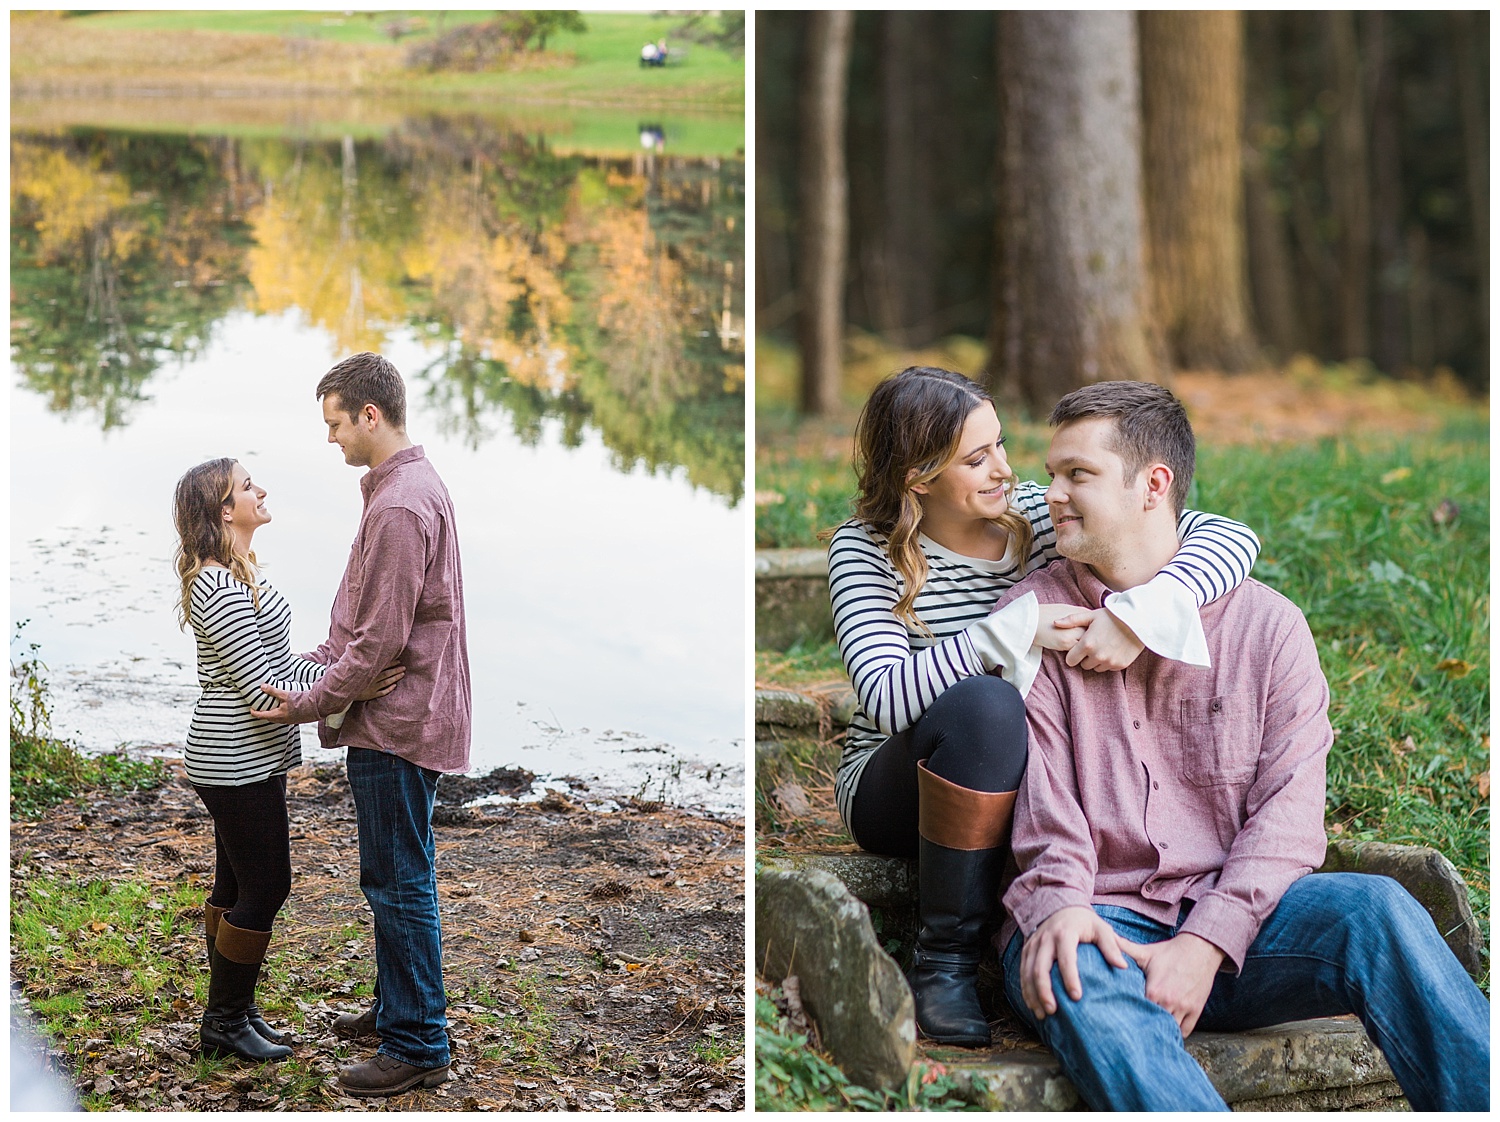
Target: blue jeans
1337	943
393	806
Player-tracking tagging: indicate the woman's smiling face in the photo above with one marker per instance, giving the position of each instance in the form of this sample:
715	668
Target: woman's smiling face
975	484
246	509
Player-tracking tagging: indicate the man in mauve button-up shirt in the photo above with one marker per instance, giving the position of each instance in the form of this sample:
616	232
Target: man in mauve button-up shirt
400	602
1171	817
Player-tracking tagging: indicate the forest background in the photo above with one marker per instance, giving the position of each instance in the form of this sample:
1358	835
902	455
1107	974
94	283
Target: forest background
1282	215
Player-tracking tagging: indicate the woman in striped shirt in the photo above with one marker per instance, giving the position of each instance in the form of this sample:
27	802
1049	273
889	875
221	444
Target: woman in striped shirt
936	750
237	763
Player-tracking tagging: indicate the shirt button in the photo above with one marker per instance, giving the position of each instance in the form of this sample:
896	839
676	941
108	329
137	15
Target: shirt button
1147	889
1216	705
1155	786
1137	724
1163	845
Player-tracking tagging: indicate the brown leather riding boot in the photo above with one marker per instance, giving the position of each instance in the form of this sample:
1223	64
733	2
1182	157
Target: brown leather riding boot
211	916
960	855
234	966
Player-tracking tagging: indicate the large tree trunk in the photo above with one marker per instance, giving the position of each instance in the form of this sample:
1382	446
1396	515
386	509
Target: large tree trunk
824	209
1191	110
1347	169
775	296
907	281
1273	280
1471	34
1071	303
1388	335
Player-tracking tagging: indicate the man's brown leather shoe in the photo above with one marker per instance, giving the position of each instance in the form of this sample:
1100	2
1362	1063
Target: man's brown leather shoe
355	1026
384	1075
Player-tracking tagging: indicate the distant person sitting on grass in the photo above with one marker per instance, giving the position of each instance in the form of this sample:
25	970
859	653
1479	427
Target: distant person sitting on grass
1171	817
652	55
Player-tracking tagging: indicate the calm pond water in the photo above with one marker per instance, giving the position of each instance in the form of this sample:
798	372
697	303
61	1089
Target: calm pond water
570	327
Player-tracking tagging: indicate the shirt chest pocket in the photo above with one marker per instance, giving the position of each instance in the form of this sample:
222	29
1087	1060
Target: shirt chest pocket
1218	740
354	573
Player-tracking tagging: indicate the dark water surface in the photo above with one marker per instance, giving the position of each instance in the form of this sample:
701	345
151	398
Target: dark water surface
570	327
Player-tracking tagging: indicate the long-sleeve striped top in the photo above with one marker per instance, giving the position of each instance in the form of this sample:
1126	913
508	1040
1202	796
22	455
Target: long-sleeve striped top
238	649
898	671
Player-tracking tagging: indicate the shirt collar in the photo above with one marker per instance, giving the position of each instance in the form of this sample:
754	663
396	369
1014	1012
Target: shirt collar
1093	589
378	475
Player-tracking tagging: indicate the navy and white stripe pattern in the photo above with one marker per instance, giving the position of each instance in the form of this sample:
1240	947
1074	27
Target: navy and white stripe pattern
898	671
238	649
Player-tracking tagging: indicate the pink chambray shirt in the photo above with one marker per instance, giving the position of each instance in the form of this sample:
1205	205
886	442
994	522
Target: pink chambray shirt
1167	782
401	600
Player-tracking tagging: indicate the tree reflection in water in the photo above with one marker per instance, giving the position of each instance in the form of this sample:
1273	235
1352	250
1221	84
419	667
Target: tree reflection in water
603	292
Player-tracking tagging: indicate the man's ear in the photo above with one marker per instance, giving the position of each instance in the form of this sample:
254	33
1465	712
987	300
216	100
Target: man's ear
1158	485
370	414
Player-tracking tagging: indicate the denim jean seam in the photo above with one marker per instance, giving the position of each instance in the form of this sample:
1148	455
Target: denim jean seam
393	798
408	895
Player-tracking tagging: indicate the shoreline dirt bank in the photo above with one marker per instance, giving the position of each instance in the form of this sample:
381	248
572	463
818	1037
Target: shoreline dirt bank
592	960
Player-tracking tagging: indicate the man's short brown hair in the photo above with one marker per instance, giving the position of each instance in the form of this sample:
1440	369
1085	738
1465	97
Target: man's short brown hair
367	379
1151	427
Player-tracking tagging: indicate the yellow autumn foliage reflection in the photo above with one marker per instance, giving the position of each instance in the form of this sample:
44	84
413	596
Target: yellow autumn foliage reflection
320	248
596	292
640	306
69	195
499	286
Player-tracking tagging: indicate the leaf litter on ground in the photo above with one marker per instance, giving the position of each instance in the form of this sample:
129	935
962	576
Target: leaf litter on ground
593	961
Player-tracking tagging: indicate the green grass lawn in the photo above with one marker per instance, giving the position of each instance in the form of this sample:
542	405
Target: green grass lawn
1394	584
335	26
1384	544
600	64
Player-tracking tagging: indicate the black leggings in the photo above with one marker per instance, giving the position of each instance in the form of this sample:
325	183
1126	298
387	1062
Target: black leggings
973	735
253	867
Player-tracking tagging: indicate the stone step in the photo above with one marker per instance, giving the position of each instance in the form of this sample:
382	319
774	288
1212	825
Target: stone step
791	598
1326	1064
818	711
813	920
810	925
890	883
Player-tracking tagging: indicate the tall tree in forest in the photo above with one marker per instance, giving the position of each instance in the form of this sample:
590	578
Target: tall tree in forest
1192	81
824	207
1071	302
1470	32
1388	325
1268	249
775	294
1347	168
905	283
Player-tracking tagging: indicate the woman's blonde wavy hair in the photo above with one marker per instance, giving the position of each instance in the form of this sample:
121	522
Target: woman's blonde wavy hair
908	433
202	534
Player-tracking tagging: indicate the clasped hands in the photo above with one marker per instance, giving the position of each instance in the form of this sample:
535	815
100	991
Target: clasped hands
281	712
1179	971
1092	637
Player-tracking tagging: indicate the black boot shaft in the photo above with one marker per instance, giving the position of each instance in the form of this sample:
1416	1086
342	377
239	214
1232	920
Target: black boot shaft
226	1026
956	896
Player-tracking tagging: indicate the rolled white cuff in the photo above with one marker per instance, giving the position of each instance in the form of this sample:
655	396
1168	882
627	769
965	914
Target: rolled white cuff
1003	640
1164	616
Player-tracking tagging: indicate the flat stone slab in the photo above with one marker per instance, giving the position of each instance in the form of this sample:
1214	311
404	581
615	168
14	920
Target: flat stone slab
880	882
813	711
782	564
809	925
890	882
1428	876
1326	1064
791	598
779	711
